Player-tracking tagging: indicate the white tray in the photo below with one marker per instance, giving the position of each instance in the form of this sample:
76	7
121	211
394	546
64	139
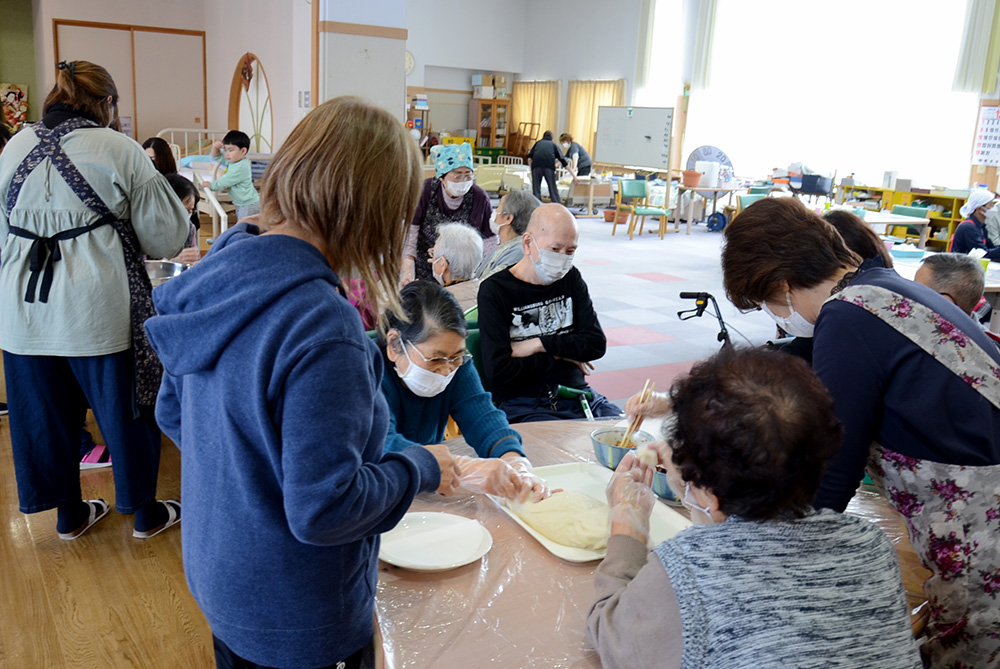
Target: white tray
591	480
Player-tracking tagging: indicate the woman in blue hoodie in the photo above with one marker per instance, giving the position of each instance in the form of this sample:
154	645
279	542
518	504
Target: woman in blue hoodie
285	493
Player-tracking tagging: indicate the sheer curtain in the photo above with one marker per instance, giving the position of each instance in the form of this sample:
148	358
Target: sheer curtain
662	70
979	57
815	84
583	99
535	101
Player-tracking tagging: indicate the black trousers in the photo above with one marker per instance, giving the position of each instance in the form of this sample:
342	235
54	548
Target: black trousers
550	178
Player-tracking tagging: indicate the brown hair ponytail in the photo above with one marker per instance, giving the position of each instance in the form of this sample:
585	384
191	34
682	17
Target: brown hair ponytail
86	87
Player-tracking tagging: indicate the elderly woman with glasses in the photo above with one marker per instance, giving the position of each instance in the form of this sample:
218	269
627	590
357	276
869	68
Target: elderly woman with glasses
430	377
451	196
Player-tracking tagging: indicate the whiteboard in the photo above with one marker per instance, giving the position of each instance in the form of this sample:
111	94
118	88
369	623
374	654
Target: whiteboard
634	136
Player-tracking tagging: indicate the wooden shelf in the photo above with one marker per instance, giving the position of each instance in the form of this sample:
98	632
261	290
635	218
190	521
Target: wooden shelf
490	119
890	198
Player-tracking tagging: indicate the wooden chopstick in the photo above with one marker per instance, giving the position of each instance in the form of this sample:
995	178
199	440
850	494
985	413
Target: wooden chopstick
647	391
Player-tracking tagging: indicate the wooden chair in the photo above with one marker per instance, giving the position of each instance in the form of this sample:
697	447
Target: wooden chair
627	188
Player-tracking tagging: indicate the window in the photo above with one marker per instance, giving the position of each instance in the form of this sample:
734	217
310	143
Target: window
855	86
534	101
583	100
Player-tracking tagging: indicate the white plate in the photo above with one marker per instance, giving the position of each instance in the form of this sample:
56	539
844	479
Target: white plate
591	480
434	542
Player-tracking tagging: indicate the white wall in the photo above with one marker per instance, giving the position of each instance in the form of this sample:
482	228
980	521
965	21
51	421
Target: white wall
364	65
273	31
472	35
581	39
385	13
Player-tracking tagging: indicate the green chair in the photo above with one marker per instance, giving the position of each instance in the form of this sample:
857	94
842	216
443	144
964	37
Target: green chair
636	189
472	318
627	188
661	213
475	348
745	201
760	190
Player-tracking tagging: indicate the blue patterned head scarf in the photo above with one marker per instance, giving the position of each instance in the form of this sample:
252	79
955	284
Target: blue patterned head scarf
448	157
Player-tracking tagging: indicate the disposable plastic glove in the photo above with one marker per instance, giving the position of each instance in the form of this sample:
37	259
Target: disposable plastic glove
631	498
490	476
658	404
529	484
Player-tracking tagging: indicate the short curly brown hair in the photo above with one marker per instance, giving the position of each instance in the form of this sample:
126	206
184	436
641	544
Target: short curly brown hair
756	427
776	240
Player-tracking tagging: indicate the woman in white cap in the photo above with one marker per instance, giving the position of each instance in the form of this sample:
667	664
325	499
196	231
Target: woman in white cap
971	233
450	197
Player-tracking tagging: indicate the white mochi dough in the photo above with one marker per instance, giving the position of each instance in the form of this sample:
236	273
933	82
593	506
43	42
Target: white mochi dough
647	456
568	518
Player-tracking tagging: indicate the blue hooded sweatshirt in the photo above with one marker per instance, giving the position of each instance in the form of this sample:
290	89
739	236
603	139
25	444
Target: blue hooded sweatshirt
271	389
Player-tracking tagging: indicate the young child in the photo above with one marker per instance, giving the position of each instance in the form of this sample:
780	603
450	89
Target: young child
237	179
188	194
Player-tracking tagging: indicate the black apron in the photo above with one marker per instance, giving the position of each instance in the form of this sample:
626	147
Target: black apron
44	252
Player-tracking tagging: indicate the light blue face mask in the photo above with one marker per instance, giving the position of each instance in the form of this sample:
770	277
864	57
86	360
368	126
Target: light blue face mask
691	504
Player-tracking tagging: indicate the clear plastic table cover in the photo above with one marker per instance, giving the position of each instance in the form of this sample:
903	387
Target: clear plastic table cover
521	606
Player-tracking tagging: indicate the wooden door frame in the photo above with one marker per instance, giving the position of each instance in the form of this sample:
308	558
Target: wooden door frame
132	30
234	94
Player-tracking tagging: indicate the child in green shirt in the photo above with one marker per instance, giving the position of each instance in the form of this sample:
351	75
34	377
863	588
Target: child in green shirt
232	153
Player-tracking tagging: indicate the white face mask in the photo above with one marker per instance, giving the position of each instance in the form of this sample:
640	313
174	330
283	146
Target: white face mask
794	324
690	504
423	382
494	226
437	277
566	145
551	266
458	188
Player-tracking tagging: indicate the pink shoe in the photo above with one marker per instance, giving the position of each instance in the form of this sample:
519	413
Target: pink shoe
98	457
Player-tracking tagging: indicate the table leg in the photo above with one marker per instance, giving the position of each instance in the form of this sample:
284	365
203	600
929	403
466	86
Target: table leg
924	234
590	199
690	213
994	300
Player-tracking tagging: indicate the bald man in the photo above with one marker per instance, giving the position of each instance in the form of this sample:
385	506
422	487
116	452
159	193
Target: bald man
538	327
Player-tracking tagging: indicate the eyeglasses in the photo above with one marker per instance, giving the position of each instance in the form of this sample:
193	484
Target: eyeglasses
436	364
452	176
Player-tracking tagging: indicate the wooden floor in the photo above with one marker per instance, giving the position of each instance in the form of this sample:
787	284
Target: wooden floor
103	600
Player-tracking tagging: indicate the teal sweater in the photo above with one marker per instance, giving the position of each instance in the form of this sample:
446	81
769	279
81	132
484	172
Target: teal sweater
239	180
422	420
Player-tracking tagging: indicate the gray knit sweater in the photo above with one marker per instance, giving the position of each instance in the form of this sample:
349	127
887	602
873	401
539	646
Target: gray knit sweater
823	591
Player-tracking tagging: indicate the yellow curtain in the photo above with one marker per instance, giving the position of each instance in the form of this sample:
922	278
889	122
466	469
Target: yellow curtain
535	101
582	102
